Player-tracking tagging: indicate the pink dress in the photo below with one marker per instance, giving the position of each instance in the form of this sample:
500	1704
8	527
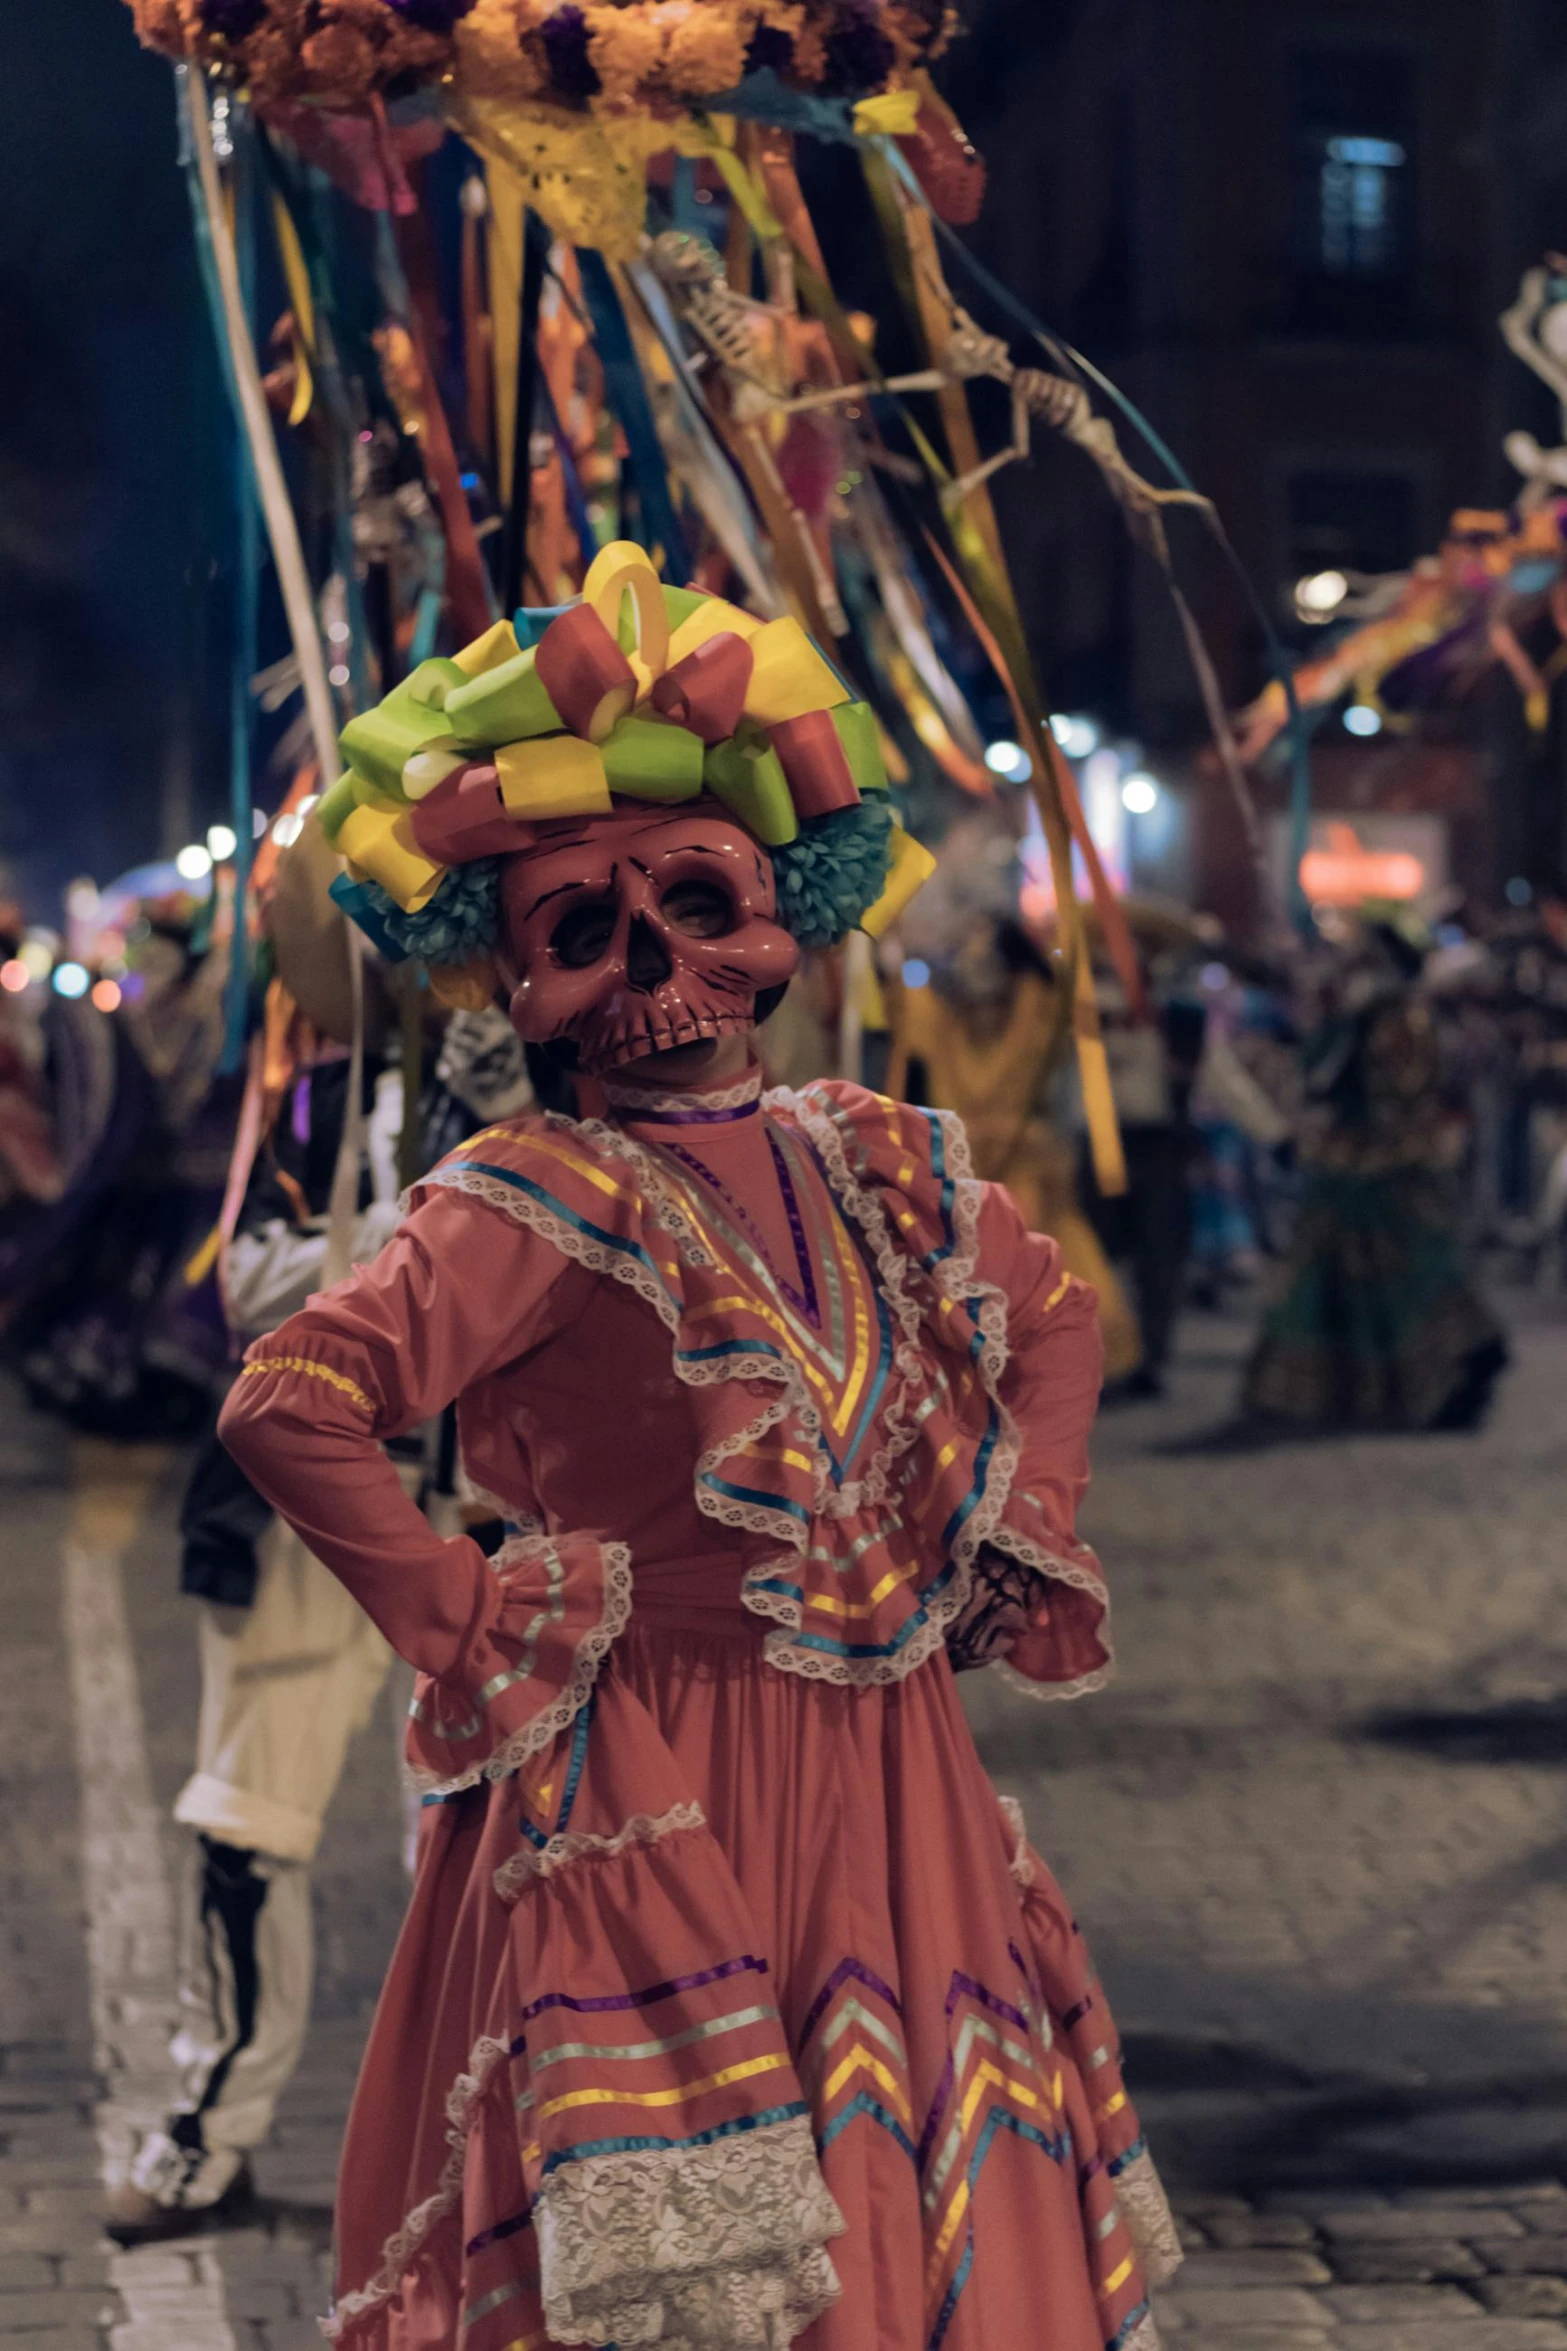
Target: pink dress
732	2008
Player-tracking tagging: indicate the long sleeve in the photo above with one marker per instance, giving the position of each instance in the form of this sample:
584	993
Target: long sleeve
1051	1389
457	1293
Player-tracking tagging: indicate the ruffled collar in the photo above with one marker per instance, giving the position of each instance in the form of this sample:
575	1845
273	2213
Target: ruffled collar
714	1104
862	1558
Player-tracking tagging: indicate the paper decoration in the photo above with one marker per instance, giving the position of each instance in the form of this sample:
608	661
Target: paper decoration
649	759
747	775
584	672
706	690
813	758
912	867
558	776
505	704
790	676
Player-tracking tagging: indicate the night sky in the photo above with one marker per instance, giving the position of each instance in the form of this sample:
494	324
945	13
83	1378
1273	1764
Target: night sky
113	449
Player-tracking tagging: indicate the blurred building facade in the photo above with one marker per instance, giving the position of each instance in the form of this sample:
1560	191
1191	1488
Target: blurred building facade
1287	232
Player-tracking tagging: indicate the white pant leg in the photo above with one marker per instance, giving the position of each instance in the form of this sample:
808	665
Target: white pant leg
285	1685
247	1966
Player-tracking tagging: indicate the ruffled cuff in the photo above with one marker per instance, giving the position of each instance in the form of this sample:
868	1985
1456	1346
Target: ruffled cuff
717	2248
1065	1651
560	1603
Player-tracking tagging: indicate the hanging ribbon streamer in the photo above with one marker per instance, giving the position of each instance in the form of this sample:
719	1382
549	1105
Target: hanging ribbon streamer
524	395
627	395
975	542
576	496
504	252
246	653
251	406
1065	354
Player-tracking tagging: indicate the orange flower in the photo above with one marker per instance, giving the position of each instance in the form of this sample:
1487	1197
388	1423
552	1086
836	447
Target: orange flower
706	45
625	47
491	56
159	26
810	54
340	61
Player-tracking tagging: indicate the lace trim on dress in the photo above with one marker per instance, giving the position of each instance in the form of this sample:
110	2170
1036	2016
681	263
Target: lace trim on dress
543	1861
462	2104
1082	1573
828	1501
1145	2336
1145	2208
716	2248
635	1098
542	1728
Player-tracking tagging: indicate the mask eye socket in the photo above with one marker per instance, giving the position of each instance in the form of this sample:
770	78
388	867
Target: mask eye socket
582	935
699	909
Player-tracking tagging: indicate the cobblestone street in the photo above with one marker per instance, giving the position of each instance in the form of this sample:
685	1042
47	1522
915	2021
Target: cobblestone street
1315	1833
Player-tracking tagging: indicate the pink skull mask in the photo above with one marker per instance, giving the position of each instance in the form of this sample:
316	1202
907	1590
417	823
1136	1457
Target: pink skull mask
642	931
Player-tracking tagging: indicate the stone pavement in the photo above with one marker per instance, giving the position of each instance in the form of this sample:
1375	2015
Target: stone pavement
1314	1834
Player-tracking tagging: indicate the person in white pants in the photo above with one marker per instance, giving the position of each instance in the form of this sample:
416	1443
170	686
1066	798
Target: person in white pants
290	1671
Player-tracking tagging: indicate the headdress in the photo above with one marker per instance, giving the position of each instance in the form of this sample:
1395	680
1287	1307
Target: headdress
637	691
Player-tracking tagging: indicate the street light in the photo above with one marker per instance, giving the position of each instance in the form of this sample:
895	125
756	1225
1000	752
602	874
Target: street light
193	863
1361	719
70	980
222	842
1319	595
1139	795
1076	736
1009	760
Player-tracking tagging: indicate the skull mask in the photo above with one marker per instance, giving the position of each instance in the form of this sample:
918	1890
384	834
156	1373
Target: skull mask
641	932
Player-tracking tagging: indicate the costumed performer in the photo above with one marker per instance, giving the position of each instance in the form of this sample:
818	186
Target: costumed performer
733	2006
1375	1322
978	1041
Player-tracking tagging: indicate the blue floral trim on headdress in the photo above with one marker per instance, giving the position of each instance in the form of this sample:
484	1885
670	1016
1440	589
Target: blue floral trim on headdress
461	921
833	870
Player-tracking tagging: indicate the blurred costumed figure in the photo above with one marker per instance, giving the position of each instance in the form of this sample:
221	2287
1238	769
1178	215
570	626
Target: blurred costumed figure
291	1666
978	1042
1376	1324
733	2006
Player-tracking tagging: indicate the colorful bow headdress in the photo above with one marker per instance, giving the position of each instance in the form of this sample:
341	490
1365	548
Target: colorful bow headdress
638	690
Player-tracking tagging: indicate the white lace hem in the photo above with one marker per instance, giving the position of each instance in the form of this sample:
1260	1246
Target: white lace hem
541	1729
532	1862
716	2248
1139	2192
462	2105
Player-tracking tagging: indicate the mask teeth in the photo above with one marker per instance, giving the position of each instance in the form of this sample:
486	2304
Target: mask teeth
631	1045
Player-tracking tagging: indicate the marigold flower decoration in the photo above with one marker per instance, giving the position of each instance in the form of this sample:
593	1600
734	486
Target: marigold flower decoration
663	55
635	690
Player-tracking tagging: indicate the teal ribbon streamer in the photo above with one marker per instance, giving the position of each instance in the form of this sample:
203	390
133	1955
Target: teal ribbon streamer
1278	659
247	573
627	395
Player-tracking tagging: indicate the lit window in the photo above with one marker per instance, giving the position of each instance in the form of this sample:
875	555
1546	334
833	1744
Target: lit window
1359	204
1352	130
